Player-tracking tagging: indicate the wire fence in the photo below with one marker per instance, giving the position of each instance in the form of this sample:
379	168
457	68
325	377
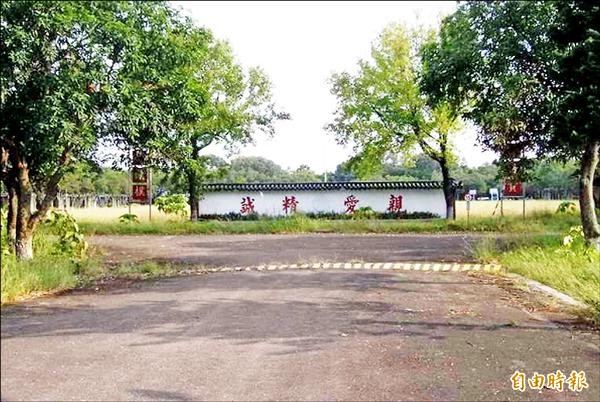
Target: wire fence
63	200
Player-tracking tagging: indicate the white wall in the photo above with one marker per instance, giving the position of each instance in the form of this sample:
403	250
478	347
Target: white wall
271	202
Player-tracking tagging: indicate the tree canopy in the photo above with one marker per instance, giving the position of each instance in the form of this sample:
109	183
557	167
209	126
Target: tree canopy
132	75
61	65
526	73
382	110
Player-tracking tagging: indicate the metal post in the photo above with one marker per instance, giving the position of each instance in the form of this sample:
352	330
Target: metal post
523	200
130	180
149	194
468	210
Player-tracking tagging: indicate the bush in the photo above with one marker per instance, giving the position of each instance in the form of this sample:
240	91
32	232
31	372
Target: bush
129	218
70	239
175	204
566	207
231	216
365	213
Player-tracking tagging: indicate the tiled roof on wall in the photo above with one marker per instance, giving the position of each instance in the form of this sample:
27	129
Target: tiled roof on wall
323	186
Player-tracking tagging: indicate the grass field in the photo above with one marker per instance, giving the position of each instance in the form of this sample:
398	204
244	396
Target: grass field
509	207
540	218
575	270
538	223
477	209
537	255
111	214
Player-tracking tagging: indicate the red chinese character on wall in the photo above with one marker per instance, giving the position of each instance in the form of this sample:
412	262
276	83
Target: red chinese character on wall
290	204
247	205
395	204
350	204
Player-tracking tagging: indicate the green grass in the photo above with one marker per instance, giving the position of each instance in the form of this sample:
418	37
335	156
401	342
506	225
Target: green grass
146	270
49	272
43	274
533	253
541	258
540	223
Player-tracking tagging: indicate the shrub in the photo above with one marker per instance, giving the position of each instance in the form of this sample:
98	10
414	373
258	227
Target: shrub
129	218
566	207
175	204
70	239
231	216
365	213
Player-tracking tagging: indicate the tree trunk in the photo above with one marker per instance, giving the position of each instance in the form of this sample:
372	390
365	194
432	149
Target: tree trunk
11	221
24	246
26	222
448	189
589	221
24	233
193	190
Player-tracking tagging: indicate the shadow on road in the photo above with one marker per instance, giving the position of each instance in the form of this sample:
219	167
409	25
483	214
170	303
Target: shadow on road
248	250
300	311
159	395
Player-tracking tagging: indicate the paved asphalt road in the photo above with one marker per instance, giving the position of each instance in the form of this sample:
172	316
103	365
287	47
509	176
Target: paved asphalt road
293	335
264	249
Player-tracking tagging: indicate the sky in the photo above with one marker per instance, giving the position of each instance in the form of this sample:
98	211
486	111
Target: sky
299	45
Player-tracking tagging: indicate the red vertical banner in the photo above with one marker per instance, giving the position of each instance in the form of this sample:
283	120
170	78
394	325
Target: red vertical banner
513	189
140	193
140	186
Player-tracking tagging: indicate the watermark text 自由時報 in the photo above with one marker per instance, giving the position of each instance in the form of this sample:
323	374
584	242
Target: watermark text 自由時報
575	382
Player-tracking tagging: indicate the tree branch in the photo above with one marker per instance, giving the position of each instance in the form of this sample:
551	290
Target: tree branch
51	190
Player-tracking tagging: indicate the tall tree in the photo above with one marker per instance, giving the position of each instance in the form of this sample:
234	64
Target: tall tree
51	60
211	99
304	174
64	65
253	169
160	111
381	110
238	105
575	121
526	73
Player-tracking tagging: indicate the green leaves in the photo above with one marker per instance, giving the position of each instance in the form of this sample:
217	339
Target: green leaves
381	110
491	62
71	241
172	204
129	218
